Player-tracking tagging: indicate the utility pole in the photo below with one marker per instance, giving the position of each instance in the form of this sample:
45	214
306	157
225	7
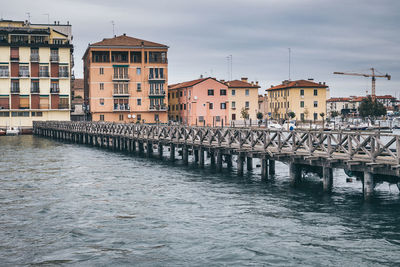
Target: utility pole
289	62
113	26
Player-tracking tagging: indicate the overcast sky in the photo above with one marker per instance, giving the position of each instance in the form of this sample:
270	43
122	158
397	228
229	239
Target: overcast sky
324	36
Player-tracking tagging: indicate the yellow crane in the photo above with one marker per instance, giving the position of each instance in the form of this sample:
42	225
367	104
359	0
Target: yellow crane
373	75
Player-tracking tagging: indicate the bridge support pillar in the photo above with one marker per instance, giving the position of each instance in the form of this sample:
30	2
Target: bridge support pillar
240	160
368	185
219	160
160	150
185	155
249	161
295	174
172	152
201	156
149	149
196	155
271	166
327	179
212	157
228	159
264	169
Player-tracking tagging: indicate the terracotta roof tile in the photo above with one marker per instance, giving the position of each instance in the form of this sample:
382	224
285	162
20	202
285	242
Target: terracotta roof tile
190	83
124	40
338	99
240	84
297	84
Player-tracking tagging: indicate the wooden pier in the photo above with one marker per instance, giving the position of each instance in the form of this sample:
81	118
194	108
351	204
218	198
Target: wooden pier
372	157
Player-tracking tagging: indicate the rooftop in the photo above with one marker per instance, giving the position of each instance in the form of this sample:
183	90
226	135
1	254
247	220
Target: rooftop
241	84
124	40
298	84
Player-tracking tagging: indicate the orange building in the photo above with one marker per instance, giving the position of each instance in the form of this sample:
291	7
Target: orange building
125	80
203	102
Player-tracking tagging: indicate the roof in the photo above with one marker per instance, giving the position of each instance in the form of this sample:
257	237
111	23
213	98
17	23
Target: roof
338	99
298	84
124	40
240	84
78	84
187	84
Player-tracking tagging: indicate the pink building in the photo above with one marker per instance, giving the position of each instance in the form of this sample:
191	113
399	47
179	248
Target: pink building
203	102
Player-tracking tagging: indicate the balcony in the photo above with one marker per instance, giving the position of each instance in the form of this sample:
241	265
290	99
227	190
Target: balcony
24	74
44	74
4	74
63	106
54	90
157	93
14	58
54	58
121	77
162	107
35	90
63	74
15	89
156	78
123	107
35	58
121	92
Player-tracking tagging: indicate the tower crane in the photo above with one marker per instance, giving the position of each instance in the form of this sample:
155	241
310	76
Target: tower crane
373	75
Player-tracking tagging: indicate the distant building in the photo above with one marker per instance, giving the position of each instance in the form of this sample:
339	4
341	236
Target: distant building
263	105
77	96
35	72
242	95
125	80
305	98
203	102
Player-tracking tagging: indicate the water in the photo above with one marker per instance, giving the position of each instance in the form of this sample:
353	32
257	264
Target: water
74	205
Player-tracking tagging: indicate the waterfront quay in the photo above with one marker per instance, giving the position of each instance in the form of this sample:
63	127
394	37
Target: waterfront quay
371	157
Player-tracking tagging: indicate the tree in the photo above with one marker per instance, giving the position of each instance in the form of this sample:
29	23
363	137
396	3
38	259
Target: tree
291	115
260	115
334	114
322	114
245	115
370	108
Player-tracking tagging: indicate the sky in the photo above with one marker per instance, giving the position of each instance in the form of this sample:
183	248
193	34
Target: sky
323	36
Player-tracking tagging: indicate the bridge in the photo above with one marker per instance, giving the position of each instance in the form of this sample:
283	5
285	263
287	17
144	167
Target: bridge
370	156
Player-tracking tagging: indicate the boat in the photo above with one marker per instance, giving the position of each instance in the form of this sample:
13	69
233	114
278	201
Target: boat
2	132
12	131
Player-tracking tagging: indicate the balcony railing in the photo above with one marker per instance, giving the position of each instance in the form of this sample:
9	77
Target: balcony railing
44	74
121	91
162	107
34	58
120	77
63	106
24	74
121	107
15	90
156	78
63	74
157	93
35	90
4	73
54	90
54	58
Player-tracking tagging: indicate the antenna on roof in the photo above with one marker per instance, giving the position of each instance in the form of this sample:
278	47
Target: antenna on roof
113	24
48	17
29	16
289	62
229	63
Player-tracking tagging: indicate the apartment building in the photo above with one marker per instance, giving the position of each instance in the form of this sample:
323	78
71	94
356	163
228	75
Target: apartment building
125	80
77	96
242	95
199	102
35	72
263	105
306	98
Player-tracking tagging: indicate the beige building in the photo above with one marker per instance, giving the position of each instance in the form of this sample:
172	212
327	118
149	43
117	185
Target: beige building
305	98
242	95
35	73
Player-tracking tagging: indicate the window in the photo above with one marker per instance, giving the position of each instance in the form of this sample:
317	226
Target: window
315	116
210	105
233	92
138	71
139	102
4	114
247	92
180	93
302	92
156	117
233	117
121	117
101	56
43	71
201	118
233	104
37	114
63	71
315	91
101	73
315	104
218	118
223	105
139	117
101	86
247	104
101	117
210	92
184	106
23	70
302	104
180	106
4	71
222	92
101	101
139	87
302	116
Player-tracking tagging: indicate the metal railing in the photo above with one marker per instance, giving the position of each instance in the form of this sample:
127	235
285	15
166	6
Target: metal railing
121	107
120	77
54	58
157	93
44	74
35	58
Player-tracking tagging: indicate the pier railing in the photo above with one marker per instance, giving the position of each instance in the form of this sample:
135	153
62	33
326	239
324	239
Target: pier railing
372	148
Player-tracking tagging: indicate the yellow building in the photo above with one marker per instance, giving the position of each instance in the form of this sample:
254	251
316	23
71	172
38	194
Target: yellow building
35	72
305	98
242	95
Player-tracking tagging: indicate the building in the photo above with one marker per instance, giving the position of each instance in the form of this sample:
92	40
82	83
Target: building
242	95
35	72
125	80
305	98
263	105
199	102
77	96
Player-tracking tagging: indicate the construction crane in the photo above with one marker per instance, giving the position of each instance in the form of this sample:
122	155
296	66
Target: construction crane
373	75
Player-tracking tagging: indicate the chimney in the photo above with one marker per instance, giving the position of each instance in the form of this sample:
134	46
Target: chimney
257	83
319	83
124	34
323	83
201	76
222	81
244	79
252	83
311	79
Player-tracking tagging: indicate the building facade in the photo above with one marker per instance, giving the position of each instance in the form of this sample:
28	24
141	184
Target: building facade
263	105
77	96
35	73
125	80
199	102
242	96
305	98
